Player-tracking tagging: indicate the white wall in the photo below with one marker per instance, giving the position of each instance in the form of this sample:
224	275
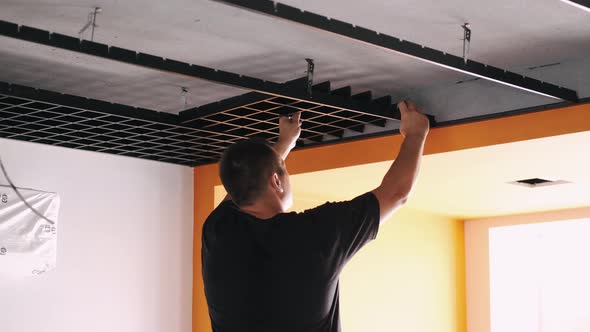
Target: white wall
124	244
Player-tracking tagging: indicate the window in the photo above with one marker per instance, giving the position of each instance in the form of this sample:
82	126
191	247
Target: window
540	277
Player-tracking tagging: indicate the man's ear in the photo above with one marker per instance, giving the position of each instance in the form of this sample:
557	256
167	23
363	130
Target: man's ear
276	183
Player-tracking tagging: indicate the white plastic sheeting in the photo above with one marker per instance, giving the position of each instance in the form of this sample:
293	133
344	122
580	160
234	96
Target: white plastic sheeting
28	243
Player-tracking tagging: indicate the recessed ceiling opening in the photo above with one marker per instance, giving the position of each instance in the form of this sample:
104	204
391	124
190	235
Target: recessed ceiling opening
538	182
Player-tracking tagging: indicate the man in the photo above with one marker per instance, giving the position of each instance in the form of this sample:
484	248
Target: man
267	270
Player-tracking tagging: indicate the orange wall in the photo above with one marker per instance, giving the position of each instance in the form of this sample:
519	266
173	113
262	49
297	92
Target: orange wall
490	132
205	178
477	259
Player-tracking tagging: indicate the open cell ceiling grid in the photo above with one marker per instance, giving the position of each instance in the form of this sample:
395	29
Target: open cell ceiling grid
74	122
91	128
260	118
256	114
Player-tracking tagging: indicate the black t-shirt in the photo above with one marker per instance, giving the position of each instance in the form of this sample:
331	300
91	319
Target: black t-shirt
281	274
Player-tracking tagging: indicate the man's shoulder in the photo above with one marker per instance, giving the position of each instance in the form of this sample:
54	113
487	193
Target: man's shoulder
223	211
224	207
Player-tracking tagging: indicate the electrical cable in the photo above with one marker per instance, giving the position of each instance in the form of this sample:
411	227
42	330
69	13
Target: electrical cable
20	196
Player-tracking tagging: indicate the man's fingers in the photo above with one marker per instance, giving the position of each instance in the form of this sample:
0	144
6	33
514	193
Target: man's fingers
411	105
405	106
402	106
296	117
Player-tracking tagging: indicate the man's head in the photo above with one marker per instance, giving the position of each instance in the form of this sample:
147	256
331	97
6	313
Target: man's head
252	172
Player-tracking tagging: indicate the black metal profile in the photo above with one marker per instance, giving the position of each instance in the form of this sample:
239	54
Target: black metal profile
407	48
291	91
581	4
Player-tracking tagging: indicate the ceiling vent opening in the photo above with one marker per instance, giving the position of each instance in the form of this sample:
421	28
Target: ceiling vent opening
534	181
538	182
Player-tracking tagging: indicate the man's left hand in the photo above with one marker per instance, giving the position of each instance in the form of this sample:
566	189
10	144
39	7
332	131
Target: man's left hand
290	129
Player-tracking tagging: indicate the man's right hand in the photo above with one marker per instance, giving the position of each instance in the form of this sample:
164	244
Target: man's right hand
414	123
399	180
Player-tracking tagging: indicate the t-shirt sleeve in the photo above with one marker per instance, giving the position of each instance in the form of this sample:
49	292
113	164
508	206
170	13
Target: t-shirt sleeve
345	227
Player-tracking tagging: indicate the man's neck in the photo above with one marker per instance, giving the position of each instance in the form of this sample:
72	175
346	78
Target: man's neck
261	209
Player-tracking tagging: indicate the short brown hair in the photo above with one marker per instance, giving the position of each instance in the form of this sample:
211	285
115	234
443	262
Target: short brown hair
245	167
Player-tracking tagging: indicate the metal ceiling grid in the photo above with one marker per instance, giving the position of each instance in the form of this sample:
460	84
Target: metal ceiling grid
195	137
74	122
255	114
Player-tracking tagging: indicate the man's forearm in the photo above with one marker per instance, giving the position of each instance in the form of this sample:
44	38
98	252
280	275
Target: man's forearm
403	173
401	176
283	148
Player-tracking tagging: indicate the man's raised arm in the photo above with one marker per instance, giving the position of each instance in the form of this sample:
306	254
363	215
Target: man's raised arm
289	131
399	180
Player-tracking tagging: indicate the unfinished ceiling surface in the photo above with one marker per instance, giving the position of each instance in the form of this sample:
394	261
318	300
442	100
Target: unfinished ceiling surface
547	40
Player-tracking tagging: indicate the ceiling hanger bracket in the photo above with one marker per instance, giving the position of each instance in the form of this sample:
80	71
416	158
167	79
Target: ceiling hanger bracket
309	72
466	41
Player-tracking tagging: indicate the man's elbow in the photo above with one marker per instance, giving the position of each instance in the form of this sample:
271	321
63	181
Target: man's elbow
397	199
402	193
401	198
388	204
391	200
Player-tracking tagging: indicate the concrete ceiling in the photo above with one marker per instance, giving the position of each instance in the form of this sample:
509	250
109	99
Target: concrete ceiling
473	183
506	33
